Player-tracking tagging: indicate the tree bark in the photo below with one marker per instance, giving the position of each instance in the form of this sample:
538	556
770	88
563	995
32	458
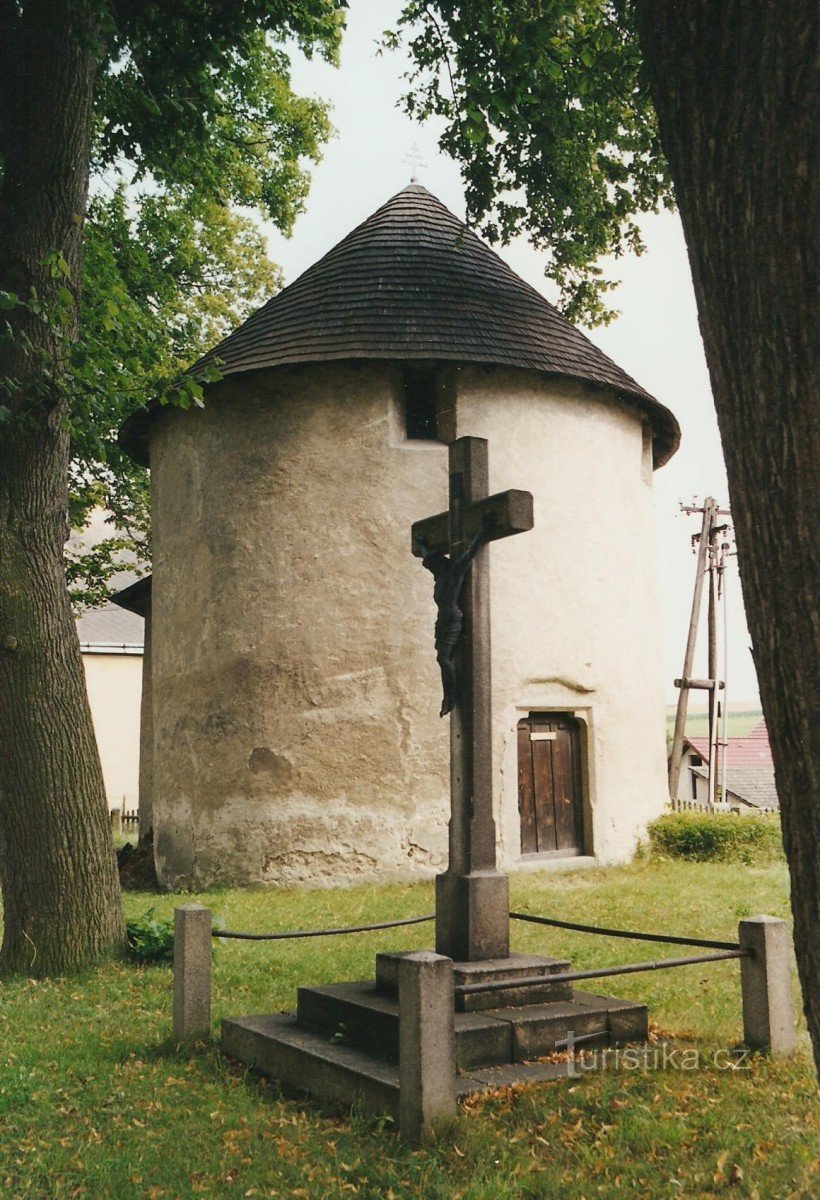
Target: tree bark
735	87
57	867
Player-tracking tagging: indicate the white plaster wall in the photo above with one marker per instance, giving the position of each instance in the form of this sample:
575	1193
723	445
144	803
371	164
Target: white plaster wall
296	736
146	770
114	683
575	608
685	778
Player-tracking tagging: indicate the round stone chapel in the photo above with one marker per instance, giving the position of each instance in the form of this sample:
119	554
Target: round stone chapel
291	695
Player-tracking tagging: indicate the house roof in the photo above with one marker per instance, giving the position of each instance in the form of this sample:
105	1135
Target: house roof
136	597
749	766
751	750
753	785
110	630
413	283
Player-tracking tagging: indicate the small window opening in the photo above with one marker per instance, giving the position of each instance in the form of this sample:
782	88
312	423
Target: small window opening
420	419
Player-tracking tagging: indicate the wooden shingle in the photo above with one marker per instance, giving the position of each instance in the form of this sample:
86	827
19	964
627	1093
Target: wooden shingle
413	283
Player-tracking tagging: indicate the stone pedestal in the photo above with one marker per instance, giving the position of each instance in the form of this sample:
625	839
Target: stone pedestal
192	972
765	975
510	968
357	1042
472	921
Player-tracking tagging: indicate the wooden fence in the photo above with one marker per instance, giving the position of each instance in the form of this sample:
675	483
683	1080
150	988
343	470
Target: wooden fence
699	807
124	818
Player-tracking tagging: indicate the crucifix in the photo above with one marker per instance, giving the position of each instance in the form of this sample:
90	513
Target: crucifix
472	896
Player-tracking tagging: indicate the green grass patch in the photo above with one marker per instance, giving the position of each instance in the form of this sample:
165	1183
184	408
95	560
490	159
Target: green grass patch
717	837
739	722
96	1102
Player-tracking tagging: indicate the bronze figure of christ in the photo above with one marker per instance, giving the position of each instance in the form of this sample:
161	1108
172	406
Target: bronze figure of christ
448	574
449	542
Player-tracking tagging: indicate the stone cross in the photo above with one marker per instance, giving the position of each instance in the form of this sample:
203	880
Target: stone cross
472	897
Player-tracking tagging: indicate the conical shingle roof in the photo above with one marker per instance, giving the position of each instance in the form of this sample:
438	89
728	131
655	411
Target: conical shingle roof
413	283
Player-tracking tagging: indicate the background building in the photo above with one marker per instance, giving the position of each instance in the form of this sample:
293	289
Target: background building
111	641
750	785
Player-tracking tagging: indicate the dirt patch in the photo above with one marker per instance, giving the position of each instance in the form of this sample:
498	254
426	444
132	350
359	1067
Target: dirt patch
136	867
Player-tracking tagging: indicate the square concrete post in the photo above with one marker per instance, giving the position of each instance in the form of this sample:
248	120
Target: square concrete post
765	981
116	821
192	972
427	1051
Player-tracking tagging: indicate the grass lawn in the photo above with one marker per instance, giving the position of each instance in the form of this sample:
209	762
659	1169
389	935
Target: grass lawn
95	1101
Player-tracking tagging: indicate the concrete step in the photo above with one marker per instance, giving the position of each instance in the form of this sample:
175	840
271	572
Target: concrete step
359	1015
352	1013
516	966
492	1047
307	1062
276	1046
588	1019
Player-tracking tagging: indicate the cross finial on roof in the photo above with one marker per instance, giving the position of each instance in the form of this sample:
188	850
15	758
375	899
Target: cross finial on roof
413	159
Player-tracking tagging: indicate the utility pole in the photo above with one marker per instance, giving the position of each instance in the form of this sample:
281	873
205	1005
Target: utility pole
707	560
712	669
725	553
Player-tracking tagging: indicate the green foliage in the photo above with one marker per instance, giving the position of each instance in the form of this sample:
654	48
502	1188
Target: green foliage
548	113
194	108
149	939
165	276
199	97
716	837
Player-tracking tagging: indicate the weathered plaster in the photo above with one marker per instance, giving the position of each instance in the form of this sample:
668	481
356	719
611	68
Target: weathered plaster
575	608
296	736
295	722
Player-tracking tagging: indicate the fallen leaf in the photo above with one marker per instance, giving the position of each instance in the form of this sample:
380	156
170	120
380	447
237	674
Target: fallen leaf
720	1167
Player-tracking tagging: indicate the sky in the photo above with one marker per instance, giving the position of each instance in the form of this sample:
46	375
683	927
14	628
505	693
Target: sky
655	339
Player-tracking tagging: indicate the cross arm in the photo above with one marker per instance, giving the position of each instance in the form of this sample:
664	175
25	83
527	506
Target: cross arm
501	515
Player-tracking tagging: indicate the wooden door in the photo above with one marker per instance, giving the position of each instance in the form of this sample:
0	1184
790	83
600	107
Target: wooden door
549	784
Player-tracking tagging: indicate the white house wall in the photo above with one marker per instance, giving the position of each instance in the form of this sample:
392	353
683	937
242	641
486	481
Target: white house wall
114	683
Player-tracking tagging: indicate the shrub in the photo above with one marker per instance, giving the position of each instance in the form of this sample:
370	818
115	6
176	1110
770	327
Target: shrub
716	837
150	940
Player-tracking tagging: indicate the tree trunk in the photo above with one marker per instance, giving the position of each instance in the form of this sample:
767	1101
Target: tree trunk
735	87
57	868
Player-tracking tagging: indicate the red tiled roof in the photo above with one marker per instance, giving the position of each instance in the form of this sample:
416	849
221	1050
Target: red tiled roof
751	750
